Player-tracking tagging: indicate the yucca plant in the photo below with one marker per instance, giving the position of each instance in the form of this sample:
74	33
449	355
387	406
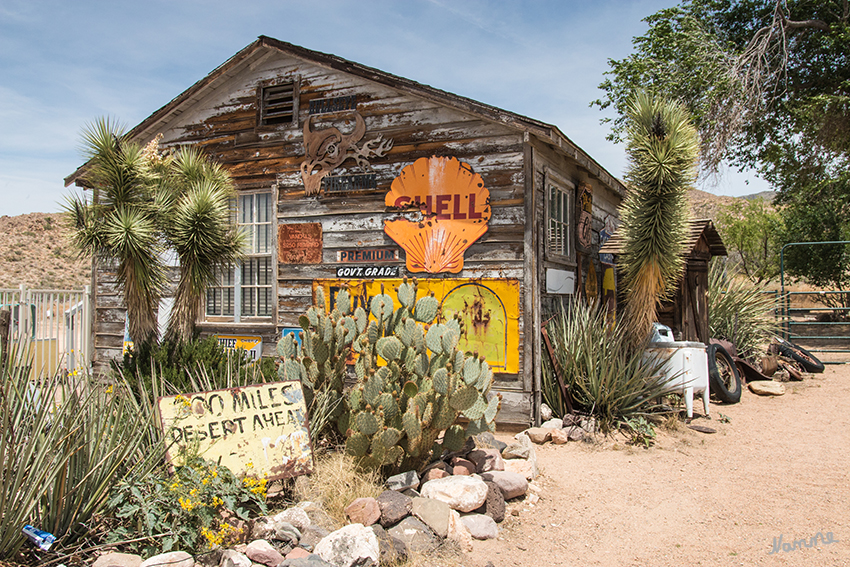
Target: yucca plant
662	149
739	311
606	377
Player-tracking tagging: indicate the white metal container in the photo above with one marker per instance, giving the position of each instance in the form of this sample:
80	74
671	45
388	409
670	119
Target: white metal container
686	371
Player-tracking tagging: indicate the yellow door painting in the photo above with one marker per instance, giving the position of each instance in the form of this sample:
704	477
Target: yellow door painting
488	310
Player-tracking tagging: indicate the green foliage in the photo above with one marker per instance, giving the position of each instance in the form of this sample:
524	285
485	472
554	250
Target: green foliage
739	311
146	203
662	152
752	232
186	510
195	365
604	374
62	445
411	384
640	431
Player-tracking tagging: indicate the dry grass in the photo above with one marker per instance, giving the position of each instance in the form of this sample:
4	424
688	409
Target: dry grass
335	483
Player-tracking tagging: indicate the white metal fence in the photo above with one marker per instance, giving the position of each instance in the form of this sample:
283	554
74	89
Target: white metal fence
56	326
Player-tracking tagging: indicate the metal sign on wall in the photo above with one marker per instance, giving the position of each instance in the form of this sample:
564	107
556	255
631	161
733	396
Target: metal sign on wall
254	430
252	345
585	215
488	309
452	207
299	243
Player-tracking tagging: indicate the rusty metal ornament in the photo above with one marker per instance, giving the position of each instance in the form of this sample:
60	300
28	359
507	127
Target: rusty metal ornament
451	209
329	148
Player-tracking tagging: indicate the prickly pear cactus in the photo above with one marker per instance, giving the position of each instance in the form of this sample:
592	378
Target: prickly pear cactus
412	381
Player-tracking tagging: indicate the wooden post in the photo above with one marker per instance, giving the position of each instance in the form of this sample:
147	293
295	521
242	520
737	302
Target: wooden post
5	327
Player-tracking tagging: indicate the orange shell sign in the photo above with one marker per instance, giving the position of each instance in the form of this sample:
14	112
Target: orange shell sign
453	208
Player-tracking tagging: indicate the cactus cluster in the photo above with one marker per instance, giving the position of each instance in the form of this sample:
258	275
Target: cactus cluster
412	381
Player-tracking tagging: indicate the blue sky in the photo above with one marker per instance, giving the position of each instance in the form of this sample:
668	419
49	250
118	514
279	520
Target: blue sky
64	63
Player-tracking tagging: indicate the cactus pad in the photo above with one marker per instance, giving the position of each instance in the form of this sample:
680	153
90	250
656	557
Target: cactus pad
357	445
366	423
426	309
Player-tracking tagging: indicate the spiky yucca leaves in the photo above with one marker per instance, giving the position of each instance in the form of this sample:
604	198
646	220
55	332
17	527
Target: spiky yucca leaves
606	377
663	150
199	228
739	311
412	384
120	225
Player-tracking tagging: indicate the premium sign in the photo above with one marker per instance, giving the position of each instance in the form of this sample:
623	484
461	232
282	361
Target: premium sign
452	209
368	255
299	243
255	430
367	272
252	345
488	309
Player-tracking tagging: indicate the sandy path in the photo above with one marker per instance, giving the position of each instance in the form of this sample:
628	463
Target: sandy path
780	467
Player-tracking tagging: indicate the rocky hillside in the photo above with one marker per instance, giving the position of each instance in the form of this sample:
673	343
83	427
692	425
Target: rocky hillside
35	251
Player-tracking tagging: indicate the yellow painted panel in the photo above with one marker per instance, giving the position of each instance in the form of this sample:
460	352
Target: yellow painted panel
488	309
255	430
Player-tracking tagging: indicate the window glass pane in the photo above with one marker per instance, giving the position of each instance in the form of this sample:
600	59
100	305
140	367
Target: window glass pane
264	207
265	302
249	308
264	238
246	209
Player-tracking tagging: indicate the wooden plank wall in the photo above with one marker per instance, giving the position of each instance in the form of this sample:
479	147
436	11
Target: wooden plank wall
224	124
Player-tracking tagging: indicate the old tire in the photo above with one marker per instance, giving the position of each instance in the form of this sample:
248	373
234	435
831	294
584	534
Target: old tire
723	377
797	353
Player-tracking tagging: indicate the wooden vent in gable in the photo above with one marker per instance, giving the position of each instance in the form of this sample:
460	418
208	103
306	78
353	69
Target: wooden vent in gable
277	104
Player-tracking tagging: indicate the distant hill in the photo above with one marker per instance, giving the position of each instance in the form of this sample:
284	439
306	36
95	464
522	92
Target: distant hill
35	251
766	195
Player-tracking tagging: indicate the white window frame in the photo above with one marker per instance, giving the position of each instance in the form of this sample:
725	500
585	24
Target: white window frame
261	245
560	218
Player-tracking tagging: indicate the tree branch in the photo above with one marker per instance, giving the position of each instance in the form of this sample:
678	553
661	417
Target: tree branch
816	24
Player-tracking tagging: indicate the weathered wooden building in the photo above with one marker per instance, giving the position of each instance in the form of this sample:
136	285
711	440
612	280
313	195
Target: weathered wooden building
347	175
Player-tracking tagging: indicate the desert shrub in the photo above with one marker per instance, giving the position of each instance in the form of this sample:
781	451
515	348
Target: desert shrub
605	377
739	311
191	366
62	445
187	510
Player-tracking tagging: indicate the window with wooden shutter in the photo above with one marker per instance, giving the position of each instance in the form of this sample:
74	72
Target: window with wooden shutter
278	104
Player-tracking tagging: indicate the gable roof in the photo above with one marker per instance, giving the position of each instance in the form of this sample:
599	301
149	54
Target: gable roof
265	47
696	229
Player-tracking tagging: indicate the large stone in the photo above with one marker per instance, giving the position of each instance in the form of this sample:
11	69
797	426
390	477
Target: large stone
297	553
553	423
261	551
526	467
461	493
284	531
434	474
312	535
393	550
494	506
114	559
417	536
352	545
539	435
545	412
232	558
519	450
394	507
462	466
296	516
211	558
311	560
363	511
481	526
512	485
403	481
263	528
458	532
766	388
435	514
171	559
487	440
487	460
575	433
560	436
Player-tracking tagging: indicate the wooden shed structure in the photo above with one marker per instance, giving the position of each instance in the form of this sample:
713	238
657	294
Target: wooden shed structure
350	176
687	312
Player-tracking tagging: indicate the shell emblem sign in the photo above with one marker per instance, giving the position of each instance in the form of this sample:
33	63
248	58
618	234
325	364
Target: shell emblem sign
451	207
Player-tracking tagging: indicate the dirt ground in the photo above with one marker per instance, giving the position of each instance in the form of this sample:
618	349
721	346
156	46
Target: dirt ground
780	467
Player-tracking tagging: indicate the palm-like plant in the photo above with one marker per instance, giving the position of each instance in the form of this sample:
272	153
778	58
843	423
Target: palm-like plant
145	204
663	150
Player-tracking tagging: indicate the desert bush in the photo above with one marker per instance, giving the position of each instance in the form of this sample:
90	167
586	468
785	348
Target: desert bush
405	398
62	445
605	377
187	510
739	311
